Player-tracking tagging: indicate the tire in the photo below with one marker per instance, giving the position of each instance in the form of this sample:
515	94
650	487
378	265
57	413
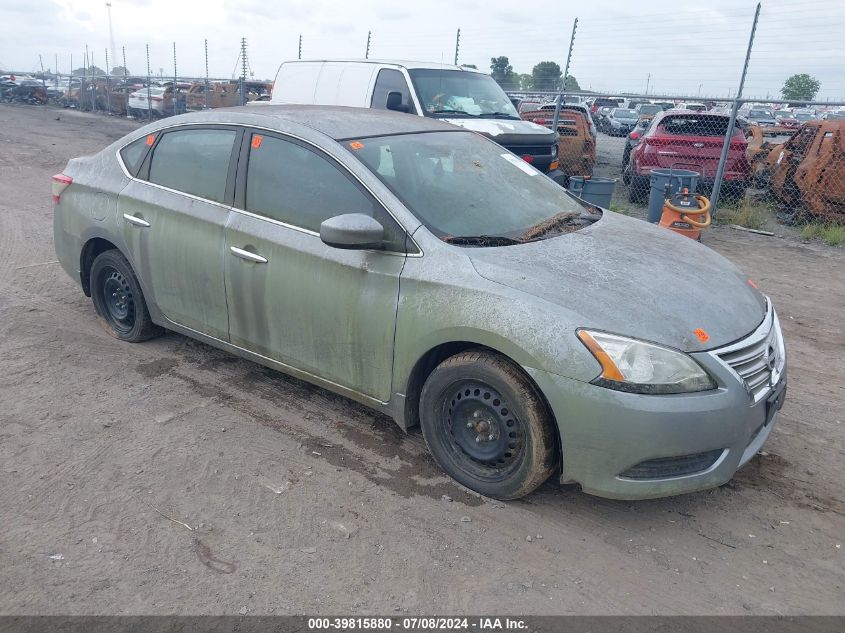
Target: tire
638	188
487	425
118	299
626	154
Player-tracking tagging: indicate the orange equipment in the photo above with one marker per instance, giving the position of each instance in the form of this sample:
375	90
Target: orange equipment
686	213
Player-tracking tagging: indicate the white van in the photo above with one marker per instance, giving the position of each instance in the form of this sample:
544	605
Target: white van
462	96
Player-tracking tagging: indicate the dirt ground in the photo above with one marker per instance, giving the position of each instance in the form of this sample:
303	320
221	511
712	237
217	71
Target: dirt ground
171	478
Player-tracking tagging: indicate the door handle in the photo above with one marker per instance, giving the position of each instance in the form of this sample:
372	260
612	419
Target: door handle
250	257
135	221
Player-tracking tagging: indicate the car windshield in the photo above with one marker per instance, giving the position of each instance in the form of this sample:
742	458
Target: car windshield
760	113
448	93
461	184
803	116
624	113
686	125
650	109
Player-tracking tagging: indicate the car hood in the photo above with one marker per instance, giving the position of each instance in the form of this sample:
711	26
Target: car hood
630	277
496	129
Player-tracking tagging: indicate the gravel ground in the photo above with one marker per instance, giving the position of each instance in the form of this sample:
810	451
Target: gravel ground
170	477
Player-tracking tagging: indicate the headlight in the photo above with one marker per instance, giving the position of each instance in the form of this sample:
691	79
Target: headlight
639	367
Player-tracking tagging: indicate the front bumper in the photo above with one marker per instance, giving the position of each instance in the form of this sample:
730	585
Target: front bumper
607	434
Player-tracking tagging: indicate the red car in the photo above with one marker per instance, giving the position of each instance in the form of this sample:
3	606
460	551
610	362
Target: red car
688	140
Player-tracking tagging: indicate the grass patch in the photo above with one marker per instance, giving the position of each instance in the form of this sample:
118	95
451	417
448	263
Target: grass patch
618	208
830	234
747	214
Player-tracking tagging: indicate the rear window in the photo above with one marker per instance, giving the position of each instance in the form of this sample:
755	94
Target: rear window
625	113
685	125
765	113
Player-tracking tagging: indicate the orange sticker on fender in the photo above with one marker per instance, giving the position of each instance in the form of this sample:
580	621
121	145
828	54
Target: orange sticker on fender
701	335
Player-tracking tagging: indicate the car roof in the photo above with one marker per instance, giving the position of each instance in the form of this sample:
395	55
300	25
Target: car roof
403	63
336	122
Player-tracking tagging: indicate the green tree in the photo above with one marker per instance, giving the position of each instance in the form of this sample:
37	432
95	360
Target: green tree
524	81
502	71
800	87
119	71
546	76
92	70
571	83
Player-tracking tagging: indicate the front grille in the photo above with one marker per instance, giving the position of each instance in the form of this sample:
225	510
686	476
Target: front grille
758	359
667	467
531	150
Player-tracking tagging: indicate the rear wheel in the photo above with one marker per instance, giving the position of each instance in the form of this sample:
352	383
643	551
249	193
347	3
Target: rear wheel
118	299
487	426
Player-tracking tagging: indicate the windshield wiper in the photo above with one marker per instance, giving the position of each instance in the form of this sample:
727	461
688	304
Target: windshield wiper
449	111
497	115
563	222
480	240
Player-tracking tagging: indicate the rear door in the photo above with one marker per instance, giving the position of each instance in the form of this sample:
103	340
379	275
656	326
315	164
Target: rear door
174	216
325	311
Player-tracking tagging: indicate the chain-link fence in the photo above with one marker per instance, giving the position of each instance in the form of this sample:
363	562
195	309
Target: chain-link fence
661	97
784	158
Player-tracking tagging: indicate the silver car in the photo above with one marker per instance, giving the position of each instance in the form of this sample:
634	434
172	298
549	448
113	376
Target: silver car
427	272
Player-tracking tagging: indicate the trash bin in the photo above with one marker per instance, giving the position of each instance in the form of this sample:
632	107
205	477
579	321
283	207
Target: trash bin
597	191
677	179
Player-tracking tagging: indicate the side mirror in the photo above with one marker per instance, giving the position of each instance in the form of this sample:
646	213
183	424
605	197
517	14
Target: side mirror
394	102
352	231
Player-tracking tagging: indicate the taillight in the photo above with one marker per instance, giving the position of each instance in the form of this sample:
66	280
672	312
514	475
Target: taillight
60	183
634	136
528	159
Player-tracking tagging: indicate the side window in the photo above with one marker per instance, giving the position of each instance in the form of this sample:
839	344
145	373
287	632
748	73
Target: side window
294	185
134	153
194	161
388	81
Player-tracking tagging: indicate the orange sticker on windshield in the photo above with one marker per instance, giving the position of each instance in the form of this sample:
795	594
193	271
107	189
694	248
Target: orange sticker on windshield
356	145
702	335
256	141
151	139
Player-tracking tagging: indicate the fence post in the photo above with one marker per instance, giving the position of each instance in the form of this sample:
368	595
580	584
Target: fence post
149	95
565	75
723	158
244	66
206	74
457	45
367	53
175	81
108	83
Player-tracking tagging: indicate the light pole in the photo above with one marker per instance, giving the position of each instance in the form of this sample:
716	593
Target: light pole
111	33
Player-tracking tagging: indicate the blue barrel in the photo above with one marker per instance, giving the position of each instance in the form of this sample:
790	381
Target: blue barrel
596	191
677	179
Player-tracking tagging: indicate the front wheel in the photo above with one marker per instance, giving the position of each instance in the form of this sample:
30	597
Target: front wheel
118	299
487	425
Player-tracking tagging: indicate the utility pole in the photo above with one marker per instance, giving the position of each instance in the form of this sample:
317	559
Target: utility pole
367	54
299	56
206	74
244	66
125	72
457	45
559	99
723	158
175	81
647	82
111	34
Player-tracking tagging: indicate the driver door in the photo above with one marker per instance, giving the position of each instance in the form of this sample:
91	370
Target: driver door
326	311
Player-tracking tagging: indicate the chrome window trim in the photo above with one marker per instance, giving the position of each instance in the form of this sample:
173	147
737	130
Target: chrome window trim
247	126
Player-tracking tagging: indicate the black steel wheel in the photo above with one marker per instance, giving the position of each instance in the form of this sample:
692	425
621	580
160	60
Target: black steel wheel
487	425
118	299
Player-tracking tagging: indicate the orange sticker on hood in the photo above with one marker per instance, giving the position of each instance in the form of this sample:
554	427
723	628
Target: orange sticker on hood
701	335
752	284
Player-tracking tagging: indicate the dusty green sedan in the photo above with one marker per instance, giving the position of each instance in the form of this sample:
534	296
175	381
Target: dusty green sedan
427	272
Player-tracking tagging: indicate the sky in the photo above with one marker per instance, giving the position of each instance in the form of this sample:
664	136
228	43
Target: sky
671	47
